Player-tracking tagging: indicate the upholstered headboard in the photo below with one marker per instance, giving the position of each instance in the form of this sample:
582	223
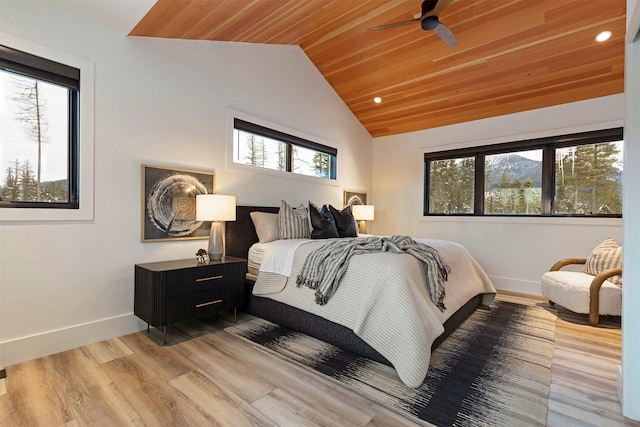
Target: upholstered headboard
241	233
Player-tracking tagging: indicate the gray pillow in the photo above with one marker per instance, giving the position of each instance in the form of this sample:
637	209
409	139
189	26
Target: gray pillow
606	255
293	223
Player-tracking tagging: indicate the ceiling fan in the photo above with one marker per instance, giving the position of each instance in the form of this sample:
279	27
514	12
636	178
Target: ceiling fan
428	20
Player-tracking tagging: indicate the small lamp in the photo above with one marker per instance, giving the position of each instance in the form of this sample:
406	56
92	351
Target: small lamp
362	214
215	208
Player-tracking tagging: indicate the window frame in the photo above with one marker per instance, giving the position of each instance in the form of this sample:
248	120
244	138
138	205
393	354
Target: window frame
290	137
84	153
42	69
548	145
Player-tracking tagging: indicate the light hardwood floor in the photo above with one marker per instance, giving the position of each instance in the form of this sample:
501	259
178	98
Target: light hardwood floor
206	377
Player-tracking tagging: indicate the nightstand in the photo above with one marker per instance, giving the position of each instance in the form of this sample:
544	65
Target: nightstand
173	291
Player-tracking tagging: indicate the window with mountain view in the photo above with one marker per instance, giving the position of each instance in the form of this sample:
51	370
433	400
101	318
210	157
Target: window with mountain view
513	183
258	146
569	175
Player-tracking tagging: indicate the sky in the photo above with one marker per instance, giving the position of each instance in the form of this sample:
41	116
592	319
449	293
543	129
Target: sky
15	141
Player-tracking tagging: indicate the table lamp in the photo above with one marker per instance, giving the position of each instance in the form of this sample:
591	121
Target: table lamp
215	208
362	214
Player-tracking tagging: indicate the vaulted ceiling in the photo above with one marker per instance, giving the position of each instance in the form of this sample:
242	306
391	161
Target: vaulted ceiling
511	55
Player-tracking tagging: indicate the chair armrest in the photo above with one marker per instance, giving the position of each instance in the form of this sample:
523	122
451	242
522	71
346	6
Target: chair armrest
567	261
594	292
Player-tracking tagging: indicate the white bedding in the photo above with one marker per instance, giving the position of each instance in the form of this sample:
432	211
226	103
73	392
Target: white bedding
381	297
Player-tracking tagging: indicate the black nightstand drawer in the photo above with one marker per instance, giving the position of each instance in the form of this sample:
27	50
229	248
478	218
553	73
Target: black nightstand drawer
203	304
190	280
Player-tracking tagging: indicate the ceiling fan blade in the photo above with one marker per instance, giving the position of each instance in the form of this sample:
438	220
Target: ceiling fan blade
445	34
395	24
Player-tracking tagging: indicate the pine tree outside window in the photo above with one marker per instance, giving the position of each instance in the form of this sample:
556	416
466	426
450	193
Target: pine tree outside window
451	189
259	146
589	179
39	124
568	175
513	183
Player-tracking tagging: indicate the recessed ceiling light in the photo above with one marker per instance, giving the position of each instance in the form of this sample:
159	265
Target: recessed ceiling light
603	36
377	100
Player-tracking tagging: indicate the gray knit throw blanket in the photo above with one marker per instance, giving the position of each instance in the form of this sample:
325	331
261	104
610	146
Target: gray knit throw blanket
325	266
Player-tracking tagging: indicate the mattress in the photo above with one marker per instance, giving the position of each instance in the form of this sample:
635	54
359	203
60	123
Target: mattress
254	259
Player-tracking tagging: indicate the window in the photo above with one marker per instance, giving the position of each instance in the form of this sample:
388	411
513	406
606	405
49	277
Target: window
261	147
512	183
569	175
451	188
39	118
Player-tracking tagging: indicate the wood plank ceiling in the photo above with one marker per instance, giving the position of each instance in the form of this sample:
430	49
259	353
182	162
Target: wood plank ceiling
511	56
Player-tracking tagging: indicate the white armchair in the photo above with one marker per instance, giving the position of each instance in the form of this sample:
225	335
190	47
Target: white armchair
581	292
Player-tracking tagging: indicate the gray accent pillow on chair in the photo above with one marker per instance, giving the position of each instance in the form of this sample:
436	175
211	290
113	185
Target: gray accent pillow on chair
606	255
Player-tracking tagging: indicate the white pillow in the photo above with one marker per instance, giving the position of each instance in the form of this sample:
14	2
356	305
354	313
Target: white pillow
266	225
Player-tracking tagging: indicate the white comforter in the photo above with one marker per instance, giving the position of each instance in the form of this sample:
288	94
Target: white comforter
382	297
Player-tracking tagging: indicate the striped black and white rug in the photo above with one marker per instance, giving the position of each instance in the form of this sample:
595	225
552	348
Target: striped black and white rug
494	370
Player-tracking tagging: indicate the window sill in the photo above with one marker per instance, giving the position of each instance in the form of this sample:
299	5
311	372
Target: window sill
563	221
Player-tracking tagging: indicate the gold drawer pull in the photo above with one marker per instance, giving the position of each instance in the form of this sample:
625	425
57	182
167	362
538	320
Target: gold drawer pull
204	279
208	303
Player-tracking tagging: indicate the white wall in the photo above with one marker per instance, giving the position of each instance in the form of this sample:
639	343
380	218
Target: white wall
514	251
159	102
630	380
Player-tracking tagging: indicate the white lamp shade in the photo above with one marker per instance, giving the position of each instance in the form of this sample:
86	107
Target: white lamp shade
362	212
215	207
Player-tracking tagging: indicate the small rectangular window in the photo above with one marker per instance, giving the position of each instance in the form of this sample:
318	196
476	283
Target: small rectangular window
39	124
258	146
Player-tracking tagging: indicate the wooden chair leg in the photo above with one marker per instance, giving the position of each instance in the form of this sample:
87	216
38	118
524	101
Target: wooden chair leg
594	305
594	293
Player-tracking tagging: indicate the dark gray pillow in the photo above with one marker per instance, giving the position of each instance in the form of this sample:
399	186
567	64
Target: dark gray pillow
345	223
322	223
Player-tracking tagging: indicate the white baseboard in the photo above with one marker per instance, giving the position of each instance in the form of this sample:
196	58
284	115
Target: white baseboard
51	342
619	370
516	285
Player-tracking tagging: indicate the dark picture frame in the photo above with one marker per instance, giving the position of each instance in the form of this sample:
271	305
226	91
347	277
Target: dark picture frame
169	203
353	197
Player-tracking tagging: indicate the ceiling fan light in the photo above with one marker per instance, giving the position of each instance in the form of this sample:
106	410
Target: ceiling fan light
603	36
429	23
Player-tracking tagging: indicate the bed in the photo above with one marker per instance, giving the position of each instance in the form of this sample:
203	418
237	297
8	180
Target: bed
400	346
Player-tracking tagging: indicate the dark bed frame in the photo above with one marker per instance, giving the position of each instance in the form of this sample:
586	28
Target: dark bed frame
240	235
